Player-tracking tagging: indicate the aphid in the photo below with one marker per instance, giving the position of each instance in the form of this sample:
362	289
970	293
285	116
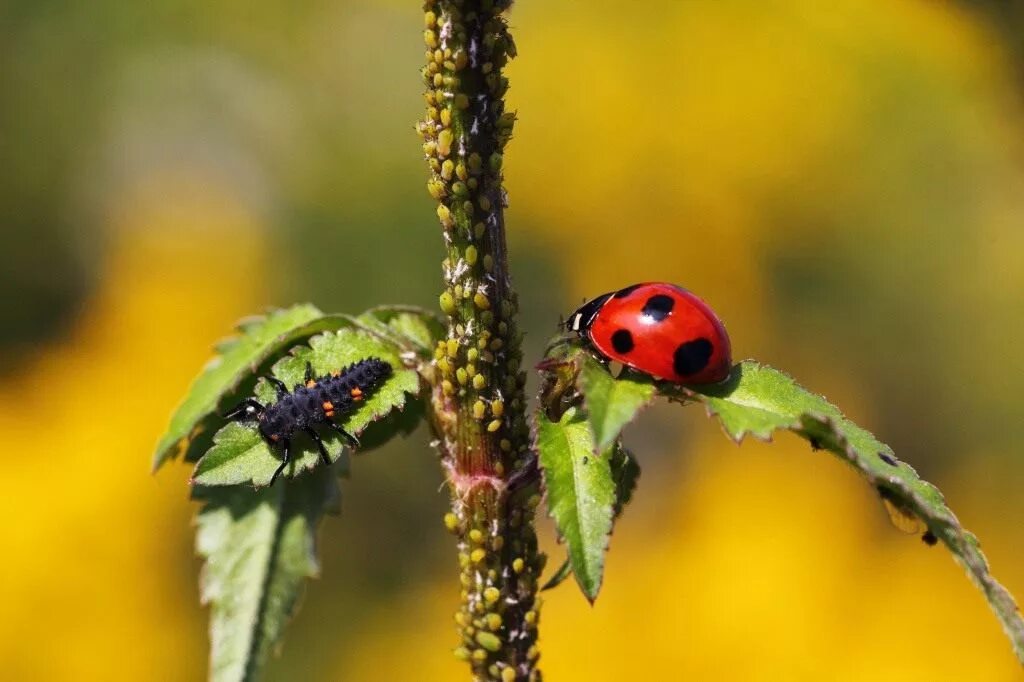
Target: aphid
316	401
903	517
659	329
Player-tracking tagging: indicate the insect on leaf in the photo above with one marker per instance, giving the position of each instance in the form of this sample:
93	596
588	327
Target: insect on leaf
231	374
240	455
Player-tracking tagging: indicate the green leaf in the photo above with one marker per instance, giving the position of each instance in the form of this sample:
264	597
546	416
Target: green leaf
230	373
580	492
412	328
625	472
240	454
757	399
259	547
611	403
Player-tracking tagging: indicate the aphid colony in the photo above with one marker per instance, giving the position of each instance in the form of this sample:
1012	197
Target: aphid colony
317	401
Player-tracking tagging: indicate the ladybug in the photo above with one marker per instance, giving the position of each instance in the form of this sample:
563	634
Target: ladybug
657	328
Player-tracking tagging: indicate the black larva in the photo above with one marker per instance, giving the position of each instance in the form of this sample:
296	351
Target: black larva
317	401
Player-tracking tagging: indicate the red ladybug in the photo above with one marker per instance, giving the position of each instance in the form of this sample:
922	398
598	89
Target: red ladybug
659	329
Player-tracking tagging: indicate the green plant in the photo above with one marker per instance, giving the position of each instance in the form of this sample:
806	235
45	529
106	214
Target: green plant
462	373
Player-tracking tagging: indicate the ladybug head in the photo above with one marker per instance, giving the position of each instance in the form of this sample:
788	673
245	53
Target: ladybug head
580	320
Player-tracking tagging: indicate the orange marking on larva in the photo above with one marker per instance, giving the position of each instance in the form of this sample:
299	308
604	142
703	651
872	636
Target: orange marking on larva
328	406
336	373
274	437
310	384
356	393
329	413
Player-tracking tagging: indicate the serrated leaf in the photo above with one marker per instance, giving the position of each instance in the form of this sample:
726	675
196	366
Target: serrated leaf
229	373
611	403
413	328
757	399
240	455
625	472
259	547
580	493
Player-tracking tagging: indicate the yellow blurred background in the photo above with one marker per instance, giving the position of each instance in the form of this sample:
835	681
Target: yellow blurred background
843	181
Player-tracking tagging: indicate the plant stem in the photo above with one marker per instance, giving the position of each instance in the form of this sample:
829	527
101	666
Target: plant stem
478	409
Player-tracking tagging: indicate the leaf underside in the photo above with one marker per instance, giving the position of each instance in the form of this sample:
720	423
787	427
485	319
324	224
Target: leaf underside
241	455
259	546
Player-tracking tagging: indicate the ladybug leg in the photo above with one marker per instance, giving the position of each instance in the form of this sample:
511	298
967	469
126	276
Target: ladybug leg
324	457
353	442
309	372
284	460
279	385
249	408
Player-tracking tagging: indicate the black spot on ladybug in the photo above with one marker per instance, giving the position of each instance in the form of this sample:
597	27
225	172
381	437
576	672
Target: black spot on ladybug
929	538
815	444
692	356
622	341
887	459
658	307
623	293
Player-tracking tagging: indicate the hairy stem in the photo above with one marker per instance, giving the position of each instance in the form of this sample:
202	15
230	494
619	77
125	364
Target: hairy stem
478	409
